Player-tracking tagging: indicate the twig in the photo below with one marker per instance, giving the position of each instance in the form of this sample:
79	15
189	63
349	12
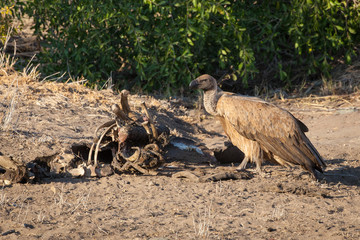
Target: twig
55	78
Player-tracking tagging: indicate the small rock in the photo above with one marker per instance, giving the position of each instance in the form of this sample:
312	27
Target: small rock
29	226
8	232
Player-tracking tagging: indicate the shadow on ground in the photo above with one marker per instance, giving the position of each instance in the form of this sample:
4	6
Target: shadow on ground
346	175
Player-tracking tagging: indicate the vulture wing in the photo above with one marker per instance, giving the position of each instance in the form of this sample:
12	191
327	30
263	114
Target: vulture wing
275	129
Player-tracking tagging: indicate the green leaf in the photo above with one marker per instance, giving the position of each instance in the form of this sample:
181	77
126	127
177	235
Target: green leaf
351	30
348	58
234	77
190	41
145	18
339	28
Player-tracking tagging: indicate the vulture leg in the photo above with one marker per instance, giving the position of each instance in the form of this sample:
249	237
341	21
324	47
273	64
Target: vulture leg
258	165
258	161
243	164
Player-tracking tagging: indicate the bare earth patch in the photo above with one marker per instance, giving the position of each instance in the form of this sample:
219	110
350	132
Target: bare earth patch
41	119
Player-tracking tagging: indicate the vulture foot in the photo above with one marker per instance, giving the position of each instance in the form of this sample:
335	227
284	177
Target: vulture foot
259	170
263	174
243	164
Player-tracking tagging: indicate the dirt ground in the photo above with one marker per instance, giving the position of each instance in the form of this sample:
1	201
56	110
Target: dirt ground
40	119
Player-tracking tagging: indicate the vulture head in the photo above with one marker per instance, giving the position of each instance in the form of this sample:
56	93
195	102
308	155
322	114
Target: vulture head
204	82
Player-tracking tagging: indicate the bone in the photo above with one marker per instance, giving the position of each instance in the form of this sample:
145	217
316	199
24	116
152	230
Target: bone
98	143
151	121
124	101
119	113
134	157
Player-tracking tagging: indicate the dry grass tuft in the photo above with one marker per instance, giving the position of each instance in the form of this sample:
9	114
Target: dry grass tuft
12	95
8	75
279	213
6	61
65	205
202	222
2	197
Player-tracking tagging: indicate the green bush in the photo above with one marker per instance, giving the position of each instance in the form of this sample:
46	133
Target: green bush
9	10
162	45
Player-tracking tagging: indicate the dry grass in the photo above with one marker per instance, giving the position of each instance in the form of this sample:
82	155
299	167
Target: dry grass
6	61
10	76
279	213
324	104
25	86
40	217
64	205
13	96
202	222
2	197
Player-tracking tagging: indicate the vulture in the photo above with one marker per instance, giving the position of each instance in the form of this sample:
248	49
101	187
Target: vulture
260	129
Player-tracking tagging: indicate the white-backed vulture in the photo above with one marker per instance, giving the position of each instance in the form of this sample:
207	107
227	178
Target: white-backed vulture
260	129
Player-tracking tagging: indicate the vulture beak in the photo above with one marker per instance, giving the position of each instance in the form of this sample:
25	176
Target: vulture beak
194	84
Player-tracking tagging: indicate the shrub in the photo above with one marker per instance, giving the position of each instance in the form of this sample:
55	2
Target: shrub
165	44
9	9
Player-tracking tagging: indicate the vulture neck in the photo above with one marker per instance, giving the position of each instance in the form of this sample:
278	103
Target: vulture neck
211	98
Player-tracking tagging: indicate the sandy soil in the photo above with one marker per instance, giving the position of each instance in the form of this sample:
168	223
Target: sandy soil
40	119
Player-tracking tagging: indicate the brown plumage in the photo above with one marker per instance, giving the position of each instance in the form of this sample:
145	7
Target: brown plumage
260	129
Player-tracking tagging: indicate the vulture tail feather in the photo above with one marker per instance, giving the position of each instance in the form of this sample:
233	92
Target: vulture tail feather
293	153
302	125
308	163
313	150
284	151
